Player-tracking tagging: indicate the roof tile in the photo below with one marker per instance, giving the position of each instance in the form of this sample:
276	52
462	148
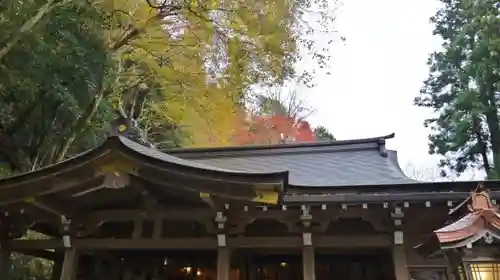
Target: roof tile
318	166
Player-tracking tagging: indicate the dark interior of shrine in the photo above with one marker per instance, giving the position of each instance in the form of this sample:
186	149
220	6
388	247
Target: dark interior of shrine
245	265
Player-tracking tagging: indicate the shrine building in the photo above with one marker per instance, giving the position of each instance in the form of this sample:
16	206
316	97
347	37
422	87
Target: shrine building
314	211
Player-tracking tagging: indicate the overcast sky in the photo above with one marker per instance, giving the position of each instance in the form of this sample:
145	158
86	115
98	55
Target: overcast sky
377	73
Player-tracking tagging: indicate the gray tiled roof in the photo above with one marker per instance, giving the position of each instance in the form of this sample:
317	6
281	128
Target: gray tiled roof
156	154
340	163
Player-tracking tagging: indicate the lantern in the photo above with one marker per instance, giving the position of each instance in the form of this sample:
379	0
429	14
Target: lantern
484	270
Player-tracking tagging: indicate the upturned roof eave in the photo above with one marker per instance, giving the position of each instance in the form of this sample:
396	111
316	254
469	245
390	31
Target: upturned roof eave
78	161
115	144
162	160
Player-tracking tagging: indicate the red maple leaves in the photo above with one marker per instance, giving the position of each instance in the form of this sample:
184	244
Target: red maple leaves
274	130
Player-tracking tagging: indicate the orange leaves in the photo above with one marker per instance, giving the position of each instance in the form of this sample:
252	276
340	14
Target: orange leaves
274	130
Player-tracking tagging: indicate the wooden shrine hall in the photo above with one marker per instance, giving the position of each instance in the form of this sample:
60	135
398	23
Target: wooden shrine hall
314	211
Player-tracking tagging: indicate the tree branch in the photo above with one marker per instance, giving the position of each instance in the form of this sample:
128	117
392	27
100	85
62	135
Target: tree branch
27	27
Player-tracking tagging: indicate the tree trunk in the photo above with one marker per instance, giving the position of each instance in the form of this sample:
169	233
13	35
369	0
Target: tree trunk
79	126
478	132
494	128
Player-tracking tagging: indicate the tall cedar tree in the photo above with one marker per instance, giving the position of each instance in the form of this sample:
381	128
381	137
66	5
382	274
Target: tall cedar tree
462	87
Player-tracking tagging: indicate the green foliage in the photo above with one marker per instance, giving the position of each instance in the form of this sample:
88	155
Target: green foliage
322	134
26	267
48	79
67	68
463	84
65	63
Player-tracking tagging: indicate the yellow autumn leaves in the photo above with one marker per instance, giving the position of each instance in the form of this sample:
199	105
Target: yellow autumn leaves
201	57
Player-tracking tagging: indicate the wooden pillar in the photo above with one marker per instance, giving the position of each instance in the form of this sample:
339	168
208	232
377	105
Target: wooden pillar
223	253
70	264
400	264
398	248
5	261
71	256
455	260
223	263
308	260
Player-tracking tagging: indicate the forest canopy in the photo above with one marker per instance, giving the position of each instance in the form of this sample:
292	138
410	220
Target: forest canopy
183	72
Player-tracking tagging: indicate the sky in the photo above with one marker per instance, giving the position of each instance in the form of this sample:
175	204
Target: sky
376	74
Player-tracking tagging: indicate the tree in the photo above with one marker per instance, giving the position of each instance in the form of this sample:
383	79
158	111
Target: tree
67	68
195	78
47	79
274	130
428	174
279	118
276	103
463	85
322	134
183	72
28	24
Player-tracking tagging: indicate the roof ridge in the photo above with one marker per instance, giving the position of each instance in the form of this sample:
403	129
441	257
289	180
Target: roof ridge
379	141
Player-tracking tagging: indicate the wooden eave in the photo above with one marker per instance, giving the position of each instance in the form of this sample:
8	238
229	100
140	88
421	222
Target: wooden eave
413	192
414	187
119	155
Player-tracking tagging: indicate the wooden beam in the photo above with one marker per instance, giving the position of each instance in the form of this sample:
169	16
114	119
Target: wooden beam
86	228
116	244
51	208
368	241
44	254
265	242
201	214
22	245
27	190
131	215
380	197
207	198
251	191
353	241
